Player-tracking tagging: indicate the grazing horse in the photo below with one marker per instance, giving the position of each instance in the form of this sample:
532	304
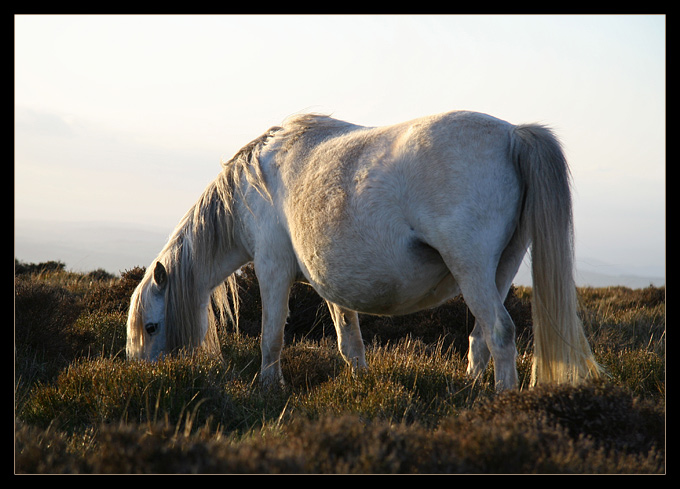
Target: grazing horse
378	220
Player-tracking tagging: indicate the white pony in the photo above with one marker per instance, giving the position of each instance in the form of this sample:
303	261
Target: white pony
385	220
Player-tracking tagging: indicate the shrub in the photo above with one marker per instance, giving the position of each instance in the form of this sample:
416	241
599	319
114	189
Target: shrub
21	268
43	317
114	297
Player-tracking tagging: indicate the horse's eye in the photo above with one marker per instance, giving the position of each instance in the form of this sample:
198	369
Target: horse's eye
151	328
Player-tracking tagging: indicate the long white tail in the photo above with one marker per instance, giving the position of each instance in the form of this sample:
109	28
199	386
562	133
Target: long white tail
561	350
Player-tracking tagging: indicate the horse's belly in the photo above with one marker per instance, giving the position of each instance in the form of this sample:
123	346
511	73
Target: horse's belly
395	298
400	283
414	296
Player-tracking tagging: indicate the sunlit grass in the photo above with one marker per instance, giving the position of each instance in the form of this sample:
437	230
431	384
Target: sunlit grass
81	406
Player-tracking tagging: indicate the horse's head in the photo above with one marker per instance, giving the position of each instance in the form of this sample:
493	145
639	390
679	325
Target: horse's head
146	326
169	313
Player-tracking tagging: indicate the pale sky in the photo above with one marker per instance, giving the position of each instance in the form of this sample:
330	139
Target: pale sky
124	119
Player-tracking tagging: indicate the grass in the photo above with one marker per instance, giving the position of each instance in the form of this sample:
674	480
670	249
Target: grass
81	407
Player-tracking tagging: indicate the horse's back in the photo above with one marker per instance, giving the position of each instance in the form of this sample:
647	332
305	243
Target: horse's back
367	208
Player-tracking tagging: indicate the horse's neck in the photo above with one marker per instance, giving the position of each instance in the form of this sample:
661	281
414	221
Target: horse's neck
220	265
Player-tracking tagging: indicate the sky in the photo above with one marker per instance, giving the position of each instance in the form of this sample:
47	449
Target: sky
122	120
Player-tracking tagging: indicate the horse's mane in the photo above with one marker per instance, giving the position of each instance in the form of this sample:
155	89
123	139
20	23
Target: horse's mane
314	127
205	231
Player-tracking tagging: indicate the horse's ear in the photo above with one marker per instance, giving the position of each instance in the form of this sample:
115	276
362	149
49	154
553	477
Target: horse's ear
160	275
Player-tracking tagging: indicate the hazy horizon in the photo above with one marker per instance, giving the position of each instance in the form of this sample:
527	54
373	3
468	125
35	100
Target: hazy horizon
117	247
125	118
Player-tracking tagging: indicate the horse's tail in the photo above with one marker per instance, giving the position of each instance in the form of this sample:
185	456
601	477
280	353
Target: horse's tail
561	350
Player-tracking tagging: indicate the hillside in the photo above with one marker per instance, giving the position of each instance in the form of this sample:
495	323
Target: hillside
81	407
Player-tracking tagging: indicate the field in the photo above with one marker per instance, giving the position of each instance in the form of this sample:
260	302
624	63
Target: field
81	407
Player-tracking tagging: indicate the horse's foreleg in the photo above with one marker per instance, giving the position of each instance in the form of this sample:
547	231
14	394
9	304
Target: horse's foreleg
274	292
350	342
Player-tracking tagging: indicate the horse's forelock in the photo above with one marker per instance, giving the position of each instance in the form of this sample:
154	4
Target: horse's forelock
135	322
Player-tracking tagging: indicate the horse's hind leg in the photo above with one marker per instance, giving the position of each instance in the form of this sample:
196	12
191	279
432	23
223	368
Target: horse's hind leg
350	342
478	352
511	259
494	331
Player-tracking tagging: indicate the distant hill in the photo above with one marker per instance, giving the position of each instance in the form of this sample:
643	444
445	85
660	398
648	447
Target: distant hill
88	246
586	277
116	247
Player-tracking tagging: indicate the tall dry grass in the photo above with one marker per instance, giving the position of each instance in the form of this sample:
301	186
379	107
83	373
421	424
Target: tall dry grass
81	407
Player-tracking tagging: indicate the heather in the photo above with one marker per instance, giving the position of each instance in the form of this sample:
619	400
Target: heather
81	407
